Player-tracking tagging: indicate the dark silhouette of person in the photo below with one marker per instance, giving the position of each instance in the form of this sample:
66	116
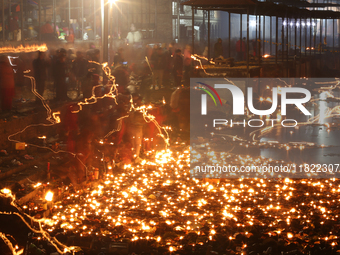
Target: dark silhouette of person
60	77
178	68
47	33
40	68
241	49
80	70
118	58
218	48
7	86
158	63
254	44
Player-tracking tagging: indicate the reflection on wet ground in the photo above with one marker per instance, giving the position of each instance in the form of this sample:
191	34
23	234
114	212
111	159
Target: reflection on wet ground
24	96
320	132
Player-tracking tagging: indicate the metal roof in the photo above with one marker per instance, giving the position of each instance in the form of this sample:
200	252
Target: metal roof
263	8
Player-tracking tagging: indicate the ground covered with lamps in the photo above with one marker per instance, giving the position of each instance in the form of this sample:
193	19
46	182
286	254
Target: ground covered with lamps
155	207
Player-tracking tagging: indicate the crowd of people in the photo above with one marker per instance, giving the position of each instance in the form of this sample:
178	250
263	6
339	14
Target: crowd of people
58	72
157	66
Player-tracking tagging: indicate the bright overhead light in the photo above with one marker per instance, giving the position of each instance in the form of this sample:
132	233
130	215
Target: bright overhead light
252	23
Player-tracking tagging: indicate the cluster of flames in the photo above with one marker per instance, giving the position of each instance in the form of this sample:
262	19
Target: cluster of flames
23	49
161	191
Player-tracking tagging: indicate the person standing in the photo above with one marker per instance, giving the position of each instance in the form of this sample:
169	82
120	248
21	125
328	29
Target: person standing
47	32
218	48
60	77
80	70
187	64
254	44
240	49
135	125
178	68
40	69
7	87
168	58
158	65
119	57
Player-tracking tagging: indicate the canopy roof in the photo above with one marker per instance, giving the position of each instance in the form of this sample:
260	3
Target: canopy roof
265	8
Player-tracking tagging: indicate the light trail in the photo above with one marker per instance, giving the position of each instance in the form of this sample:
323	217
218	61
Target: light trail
53	118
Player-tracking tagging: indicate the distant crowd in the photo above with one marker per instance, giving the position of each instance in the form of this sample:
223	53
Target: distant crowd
156	66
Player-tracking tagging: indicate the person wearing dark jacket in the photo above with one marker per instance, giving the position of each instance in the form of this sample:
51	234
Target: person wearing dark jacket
60	77
158	66
241	49
178	68
79	70
7	87
40	68
218	48
118	58
121	78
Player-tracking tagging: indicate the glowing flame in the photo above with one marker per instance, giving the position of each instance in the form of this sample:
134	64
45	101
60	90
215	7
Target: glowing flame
6	191
49	196
21	48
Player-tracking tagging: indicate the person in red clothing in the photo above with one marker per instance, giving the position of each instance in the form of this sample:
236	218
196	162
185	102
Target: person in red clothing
7	85
241	49
70	38
47	32
152	139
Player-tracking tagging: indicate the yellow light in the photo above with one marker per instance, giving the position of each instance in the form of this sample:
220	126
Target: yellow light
49	196
21	48
6	191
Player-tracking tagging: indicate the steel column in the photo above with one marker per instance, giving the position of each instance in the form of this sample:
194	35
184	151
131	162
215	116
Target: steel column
229	33
69	15
193	29
276	38
22	19
105	23
333	35
247	55
271	35
282	41
39	14
94	19
54	16
310	36
3	21
259	39
209	34
264	35
287	52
